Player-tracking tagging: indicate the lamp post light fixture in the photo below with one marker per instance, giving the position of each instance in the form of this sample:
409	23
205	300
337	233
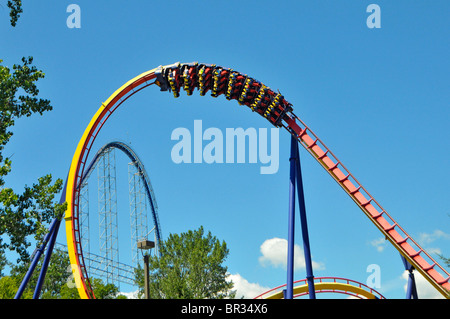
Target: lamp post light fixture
146	245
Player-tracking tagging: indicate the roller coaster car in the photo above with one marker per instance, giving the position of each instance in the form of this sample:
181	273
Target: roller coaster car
161	80
189	74
249	91
234	85
220	77
205	78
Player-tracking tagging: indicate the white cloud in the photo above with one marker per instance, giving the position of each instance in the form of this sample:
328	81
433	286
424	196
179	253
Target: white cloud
425	238
379	244
424	289
274	253
246	289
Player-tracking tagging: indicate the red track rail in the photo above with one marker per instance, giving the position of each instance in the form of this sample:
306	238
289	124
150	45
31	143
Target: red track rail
403	242
108	110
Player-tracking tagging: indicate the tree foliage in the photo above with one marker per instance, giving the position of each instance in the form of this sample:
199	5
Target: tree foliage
18	95
56	277
15	7
56	281
104	291
23	216
190	266
27	214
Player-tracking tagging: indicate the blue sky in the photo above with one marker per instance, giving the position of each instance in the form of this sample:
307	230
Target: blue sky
378	98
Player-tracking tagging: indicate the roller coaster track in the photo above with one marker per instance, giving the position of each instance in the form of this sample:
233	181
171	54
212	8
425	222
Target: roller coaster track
134	158
279	112
142	172
325	285
128	151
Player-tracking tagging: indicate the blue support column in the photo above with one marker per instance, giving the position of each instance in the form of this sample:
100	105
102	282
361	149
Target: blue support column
411	291
289	293
51	236
44	268
296	180
304	224
37	255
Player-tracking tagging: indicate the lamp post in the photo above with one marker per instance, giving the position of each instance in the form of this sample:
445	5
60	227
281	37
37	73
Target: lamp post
146	245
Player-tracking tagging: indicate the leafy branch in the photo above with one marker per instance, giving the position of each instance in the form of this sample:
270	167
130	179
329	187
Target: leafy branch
15	7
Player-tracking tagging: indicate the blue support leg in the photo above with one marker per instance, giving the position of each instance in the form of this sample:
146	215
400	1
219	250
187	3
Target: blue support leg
51	235
305	234
289	294
37	255
411	291
44	268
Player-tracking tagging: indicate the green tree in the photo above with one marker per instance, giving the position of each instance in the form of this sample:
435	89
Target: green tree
15	7
55	285
69	293
22	215
102	290
190	266
56	277
446	261
8	287
25	216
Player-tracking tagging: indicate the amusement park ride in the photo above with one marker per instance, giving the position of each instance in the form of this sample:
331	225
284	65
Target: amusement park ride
279	112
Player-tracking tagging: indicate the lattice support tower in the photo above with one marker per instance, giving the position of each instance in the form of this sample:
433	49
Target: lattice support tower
107	200
138	209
